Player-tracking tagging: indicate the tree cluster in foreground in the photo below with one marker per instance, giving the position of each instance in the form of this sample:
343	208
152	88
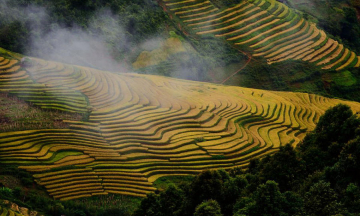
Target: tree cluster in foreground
319	177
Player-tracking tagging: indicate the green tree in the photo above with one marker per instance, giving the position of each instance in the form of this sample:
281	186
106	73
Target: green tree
337	124
171	201
208	185
352	198
233	189
14	36
294	204
284	167
150	206
208	208
267	200
254	165
322	147
321	200
6	193
347	169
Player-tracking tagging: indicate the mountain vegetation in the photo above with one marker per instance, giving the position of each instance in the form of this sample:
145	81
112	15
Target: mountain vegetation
94	119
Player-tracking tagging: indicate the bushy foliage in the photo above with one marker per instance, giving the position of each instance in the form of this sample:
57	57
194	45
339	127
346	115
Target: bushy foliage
208	208
322	147
321	200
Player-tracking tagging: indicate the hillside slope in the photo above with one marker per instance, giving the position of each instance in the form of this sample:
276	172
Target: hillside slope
263	28
142	127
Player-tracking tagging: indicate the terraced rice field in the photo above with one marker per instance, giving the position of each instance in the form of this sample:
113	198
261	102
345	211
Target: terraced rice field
16	81
269	28
143	127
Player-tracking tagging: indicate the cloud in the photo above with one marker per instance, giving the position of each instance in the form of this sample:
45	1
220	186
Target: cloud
93	46
77	46
103	43
74	46
152	43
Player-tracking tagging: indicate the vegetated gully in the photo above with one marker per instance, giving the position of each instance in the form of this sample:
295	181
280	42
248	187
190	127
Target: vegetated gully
187	34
